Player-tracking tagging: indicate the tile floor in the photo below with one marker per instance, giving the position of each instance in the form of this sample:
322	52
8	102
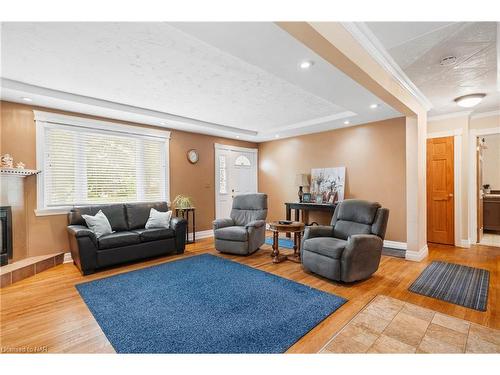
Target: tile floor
388	325
490	239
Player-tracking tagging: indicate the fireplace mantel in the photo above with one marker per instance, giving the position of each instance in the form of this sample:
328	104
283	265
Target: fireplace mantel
18	172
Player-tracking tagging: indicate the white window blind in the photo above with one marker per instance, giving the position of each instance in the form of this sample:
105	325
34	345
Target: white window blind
92	166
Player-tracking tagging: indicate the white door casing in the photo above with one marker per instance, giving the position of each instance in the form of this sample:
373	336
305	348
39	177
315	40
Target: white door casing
235	173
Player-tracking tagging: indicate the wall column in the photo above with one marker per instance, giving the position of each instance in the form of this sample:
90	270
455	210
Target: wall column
416	198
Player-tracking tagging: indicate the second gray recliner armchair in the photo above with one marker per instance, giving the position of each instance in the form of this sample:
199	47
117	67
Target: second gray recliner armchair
245	231
349	249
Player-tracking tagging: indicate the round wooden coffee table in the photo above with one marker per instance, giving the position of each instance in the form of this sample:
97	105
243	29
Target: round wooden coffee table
297	229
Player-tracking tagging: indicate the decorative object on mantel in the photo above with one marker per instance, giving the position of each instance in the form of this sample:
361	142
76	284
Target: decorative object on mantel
327	184
19	172
7	161
301	180
193	156
20	165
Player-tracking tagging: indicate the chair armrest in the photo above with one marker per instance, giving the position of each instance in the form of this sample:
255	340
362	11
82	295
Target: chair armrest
256	224
79	231
222	223
179	225
318	231
361	256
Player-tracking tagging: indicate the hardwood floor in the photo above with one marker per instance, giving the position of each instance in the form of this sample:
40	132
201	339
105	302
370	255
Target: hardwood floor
46	310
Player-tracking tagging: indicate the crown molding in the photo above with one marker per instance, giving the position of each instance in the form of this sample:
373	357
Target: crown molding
485	114
377	51
448	115
118	111
309	123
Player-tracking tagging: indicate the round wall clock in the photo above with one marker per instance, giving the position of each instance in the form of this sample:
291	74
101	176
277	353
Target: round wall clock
193	156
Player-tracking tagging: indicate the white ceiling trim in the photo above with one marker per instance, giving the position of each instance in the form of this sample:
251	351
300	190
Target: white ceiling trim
486	114
163	119
309	123
364	36
448	115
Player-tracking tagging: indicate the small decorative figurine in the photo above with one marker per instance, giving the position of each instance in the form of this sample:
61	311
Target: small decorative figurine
20	165
7	161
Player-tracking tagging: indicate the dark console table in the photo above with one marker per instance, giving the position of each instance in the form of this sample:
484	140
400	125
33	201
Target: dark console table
184	213
305	208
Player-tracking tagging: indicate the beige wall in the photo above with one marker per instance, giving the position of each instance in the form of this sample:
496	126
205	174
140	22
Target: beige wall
374	157
491	161
47	234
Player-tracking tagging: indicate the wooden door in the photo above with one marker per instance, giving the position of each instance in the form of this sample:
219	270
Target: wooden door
479	188
440	191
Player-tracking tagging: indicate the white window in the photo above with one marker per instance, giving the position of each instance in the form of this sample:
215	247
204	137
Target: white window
242	160
93	162
222	175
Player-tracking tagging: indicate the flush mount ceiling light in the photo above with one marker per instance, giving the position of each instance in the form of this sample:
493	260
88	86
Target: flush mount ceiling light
27	99
277	136
448	60
306	64
469	101
347	122
373	106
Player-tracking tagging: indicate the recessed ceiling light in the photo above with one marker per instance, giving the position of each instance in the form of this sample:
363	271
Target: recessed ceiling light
27	99
468	101
347	122
448	60
373	106
306	64
277	136
238	136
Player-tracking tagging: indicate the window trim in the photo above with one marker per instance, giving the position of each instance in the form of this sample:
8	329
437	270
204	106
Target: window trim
50	119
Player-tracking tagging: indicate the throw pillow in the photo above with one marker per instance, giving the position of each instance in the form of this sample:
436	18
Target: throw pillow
99	224
158	219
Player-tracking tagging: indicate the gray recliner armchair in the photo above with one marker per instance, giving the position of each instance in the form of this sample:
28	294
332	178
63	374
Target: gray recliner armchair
245	231
350	248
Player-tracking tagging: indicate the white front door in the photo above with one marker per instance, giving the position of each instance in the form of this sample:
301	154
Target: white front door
235	173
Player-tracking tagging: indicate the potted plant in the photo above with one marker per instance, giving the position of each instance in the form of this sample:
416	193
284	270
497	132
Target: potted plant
182	202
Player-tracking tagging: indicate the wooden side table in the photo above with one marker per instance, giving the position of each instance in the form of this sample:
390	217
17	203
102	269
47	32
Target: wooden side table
297	229
184	213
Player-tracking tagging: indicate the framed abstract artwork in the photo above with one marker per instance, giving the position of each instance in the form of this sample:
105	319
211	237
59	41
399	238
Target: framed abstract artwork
329	183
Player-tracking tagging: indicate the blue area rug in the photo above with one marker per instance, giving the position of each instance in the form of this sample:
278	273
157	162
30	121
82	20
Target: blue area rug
204	304
461	285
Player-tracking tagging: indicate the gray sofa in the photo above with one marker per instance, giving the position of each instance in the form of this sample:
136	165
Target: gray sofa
245	231
350	248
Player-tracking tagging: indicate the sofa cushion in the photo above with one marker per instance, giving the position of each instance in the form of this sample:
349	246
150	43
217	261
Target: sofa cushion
233	233
327	246
154	234
343	229
358	210
114	212
118	239
138	213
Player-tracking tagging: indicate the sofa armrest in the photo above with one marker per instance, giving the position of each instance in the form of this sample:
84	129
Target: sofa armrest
222	223
179	225
83	246
79	231
361	256
312	231
255	224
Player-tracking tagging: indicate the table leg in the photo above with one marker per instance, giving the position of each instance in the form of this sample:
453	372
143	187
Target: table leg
194	228
297	212
288	217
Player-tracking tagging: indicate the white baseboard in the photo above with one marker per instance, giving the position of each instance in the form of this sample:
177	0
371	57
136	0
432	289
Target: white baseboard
67	258
464	243
205	233
417	256
395	245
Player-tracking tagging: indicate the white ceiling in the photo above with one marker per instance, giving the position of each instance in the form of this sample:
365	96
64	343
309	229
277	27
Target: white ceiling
418	47
230	79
